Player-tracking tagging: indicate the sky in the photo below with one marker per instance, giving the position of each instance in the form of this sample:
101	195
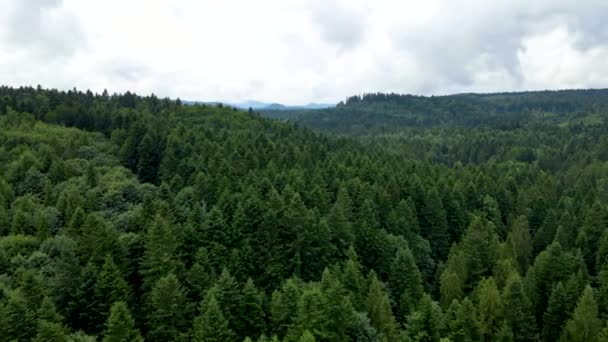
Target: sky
301	51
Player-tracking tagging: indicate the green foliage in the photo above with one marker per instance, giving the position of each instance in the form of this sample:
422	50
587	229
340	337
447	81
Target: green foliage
492	205
405	282
166	315
120	326
585	324
425	323
212	326
379	309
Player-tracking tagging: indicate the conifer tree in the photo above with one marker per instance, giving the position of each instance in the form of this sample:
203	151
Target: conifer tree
556	314
251	315
166	310
212	326
405	282
424	324
462	321
110	288
434	225
120	326
518	311
490	308
160	253
379	309
585	324
50	332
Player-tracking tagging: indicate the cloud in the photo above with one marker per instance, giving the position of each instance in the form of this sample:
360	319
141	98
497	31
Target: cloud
340	22
303	51
43	27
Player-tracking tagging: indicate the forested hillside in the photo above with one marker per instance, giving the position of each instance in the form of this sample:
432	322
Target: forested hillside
128	218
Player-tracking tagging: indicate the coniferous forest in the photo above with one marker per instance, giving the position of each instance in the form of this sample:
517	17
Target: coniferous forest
386	218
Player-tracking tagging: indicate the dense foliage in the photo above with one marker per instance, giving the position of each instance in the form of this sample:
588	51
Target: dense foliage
127	218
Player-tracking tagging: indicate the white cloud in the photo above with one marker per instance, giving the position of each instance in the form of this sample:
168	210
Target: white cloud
300	51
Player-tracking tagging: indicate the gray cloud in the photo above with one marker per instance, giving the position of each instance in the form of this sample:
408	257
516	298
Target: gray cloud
44	27
341	23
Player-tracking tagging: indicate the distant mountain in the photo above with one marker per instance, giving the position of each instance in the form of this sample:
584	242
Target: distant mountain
258	105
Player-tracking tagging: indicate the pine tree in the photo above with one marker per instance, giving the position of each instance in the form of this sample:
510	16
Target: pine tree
518	311
339	221
166	310
310	315
480	245
379	309
556	314
521	245
160	253
81	309
212	326
424	324
405	282
120	326
462	321
284	304
148	159
590	234
338	312
109	289
20	320
307	336
490	308
353	279
48	312
585	324
201	276
434	225
50	332
251	316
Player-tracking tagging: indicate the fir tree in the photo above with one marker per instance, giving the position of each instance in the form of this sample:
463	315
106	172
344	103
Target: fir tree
585	324
120	326
212	326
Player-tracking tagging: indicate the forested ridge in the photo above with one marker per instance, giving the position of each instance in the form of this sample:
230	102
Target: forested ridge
129	218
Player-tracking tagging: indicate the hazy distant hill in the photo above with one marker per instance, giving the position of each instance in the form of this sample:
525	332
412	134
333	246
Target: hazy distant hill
257	105
380	111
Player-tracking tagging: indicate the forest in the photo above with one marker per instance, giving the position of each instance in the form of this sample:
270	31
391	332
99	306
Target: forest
387	218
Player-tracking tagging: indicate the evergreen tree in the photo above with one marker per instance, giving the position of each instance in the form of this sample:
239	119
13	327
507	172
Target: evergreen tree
556	314
110	288
160	252
379	309
251	315
166	314
424	324
50	332
120	326
405	282
434	225
212	326
518	311
339	221
462	321
480	245
490	308
353	280
585	324
338	312
521	245
148	159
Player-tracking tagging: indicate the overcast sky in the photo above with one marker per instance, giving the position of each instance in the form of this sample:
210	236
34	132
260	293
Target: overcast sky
299	51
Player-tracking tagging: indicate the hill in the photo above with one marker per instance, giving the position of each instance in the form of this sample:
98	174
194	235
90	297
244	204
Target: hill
390	112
